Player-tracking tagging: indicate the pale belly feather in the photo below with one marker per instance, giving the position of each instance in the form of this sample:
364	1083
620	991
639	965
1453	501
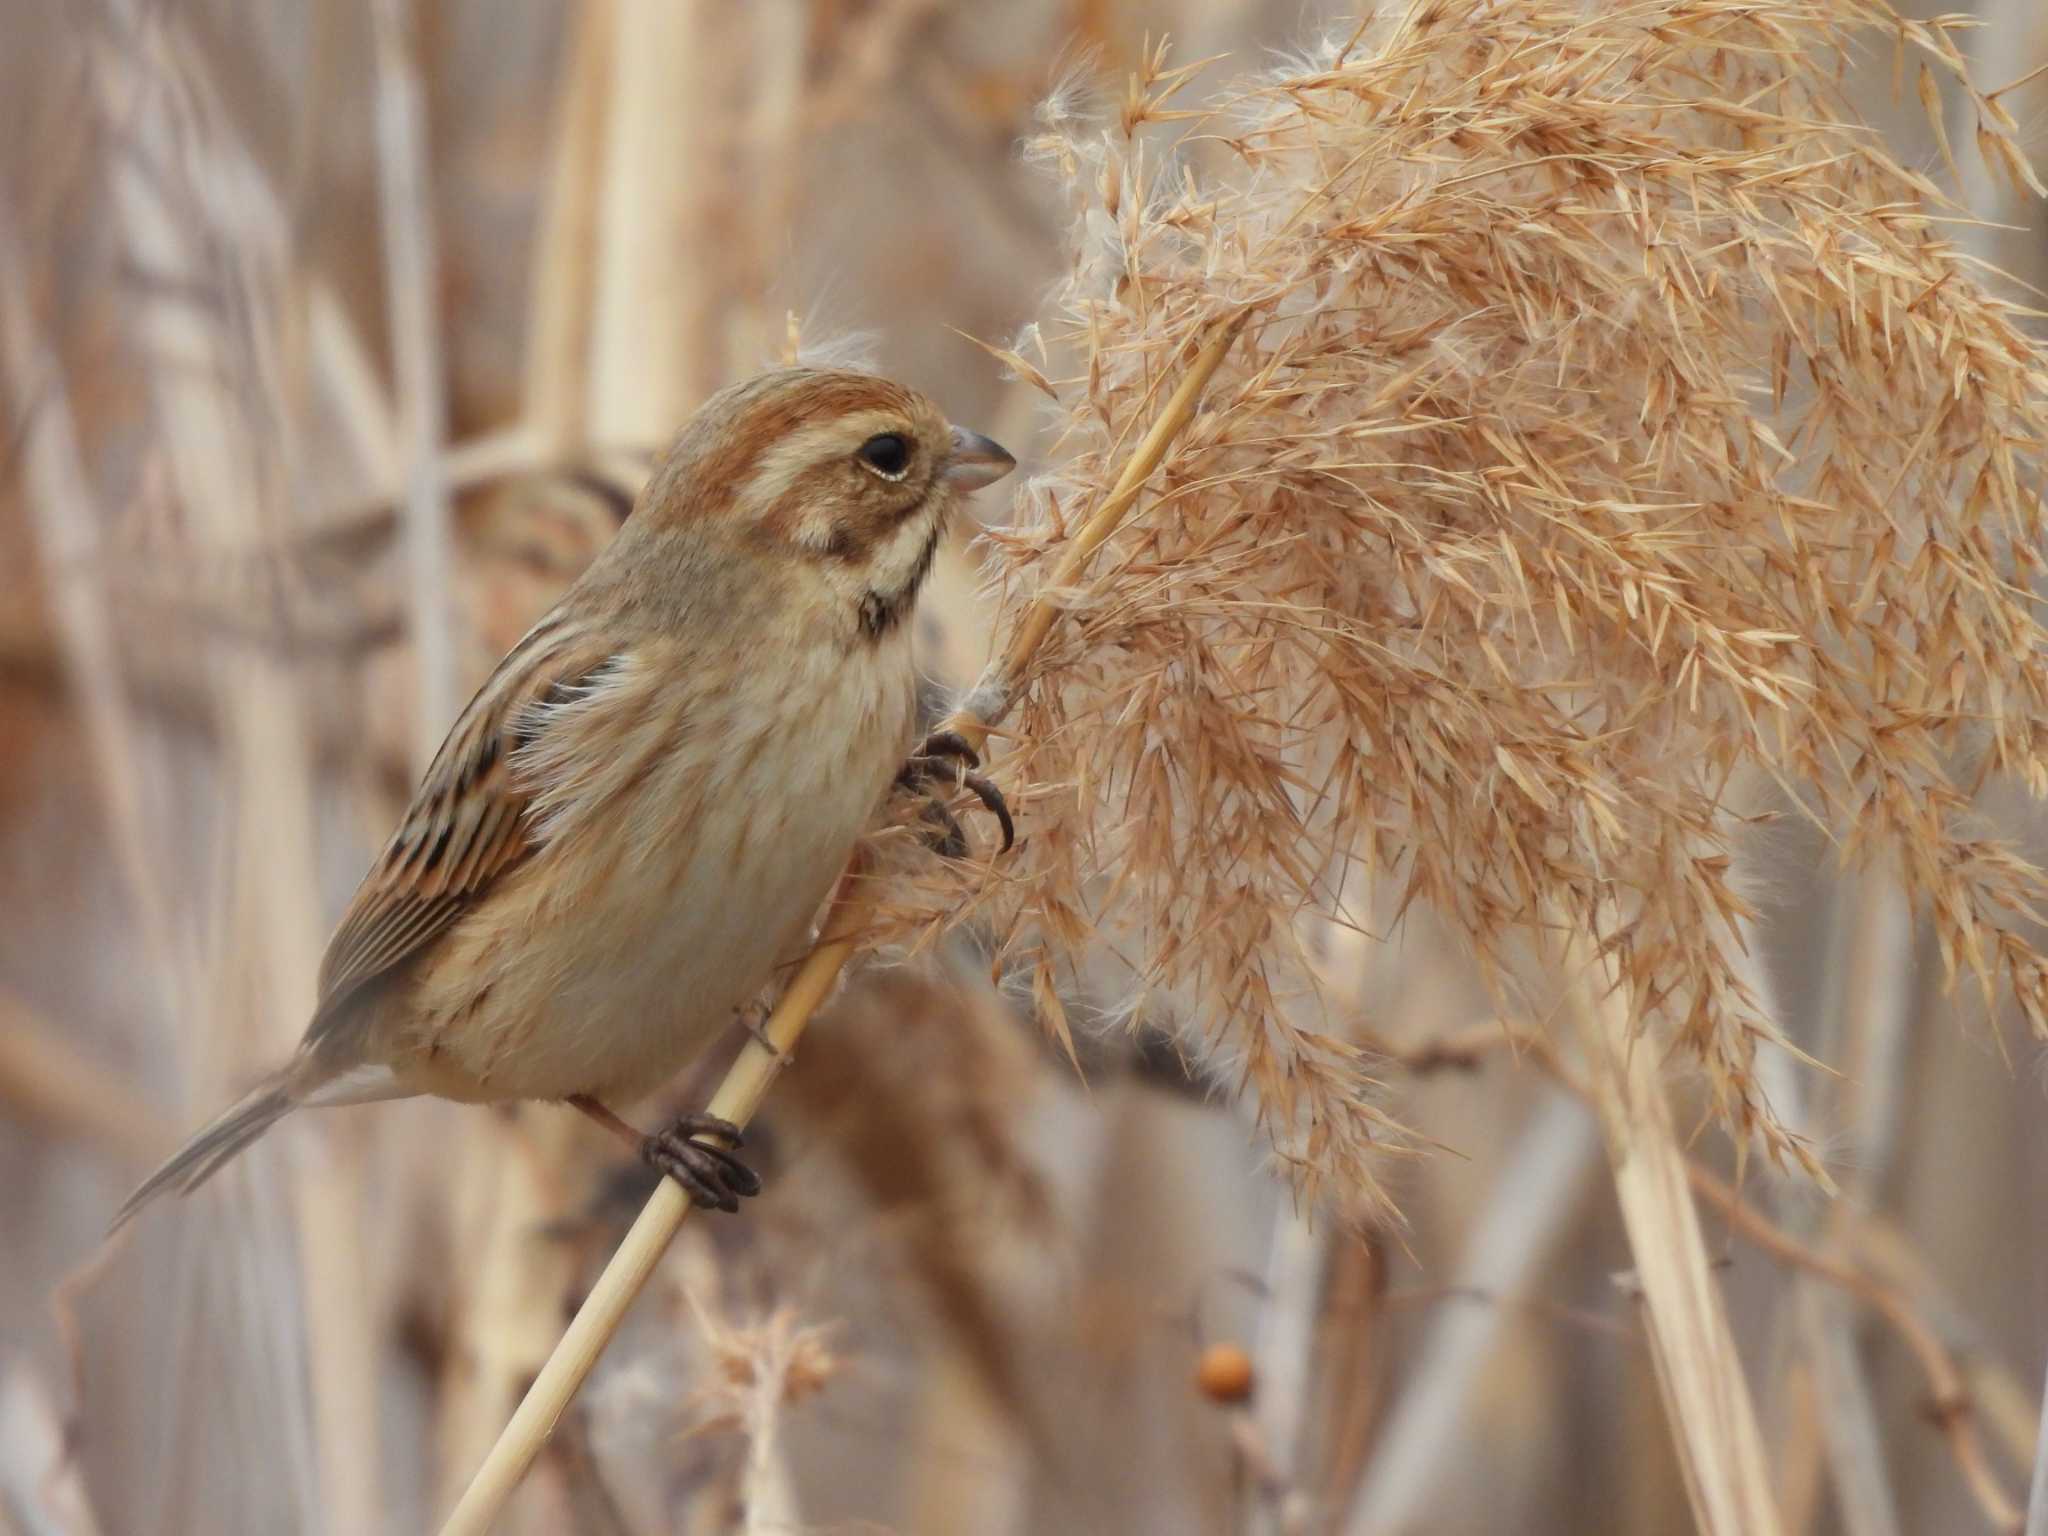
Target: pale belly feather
618	953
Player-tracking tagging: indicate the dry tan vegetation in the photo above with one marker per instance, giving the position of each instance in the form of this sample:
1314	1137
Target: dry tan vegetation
1618	420
1571	666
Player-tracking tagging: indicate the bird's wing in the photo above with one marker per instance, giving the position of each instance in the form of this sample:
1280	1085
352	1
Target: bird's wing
468	822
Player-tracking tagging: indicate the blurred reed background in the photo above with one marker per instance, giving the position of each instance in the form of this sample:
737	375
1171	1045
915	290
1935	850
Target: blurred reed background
332	342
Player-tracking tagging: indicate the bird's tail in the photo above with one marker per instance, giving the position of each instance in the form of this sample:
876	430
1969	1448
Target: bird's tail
201	1157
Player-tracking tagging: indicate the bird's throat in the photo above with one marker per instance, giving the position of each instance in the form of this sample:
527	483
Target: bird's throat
881	611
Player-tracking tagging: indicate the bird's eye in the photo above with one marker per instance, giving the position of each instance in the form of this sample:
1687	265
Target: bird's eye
887	454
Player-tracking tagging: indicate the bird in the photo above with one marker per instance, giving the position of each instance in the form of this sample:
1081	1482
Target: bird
637	818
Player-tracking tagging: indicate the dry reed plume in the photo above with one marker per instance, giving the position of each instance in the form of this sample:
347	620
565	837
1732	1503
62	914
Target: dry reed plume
1488	468
1616	420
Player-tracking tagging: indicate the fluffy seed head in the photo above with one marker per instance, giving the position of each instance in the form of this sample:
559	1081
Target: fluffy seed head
1616	427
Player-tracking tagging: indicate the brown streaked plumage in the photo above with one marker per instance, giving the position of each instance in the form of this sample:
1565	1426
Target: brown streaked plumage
644	806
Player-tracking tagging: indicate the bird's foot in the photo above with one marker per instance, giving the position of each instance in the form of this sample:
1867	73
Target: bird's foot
709	1174
944	758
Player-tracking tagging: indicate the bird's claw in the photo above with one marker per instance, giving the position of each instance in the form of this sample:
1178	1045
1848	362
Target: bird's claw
709	1174
942	744
930	764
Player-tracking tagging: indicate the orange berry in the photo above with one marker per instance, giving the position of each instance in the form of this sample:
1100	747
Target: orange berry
1225	1373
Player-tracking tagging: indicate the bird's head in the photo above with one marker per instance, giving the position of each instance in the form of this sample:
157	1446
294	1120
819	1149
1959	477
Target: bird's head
844	476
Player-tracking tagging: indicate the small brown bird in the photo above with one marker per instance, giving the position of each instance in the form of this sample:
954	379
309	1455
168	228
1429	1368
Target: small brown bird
641	811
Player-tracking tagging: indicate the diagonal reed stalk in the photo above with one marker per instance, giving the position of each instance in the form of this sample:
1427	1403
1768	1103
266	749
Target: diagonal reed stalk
748	1081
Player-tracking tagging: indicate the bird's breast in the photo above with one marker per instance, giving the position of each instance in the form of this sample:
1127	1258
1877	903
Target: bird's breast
670	885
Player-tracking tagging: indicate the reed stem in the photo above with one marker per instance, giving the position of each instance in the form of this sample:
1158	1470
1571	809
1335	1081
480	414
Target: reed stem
1706	1396
747	1083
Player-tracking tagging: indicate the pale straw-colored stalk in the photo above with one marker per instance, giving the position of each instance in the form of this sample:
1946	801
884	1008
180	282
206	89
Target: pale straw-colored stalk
411	271
1706	1396
42	1488
221	463
2037	1498
61	496
751	1075
653	353
563	295
1867	1019
1544	1176
619	348
1848	1418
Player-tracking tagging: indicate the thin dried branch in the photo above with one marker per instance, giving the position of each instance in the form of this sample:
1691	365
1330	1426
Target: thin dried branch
1546	1171
47	1081
747	1083
1952	1403
660	1219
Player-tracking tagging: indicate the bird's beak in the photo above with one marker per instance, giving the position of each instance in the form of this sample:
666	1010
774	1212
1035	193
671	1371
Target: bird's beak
975	461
